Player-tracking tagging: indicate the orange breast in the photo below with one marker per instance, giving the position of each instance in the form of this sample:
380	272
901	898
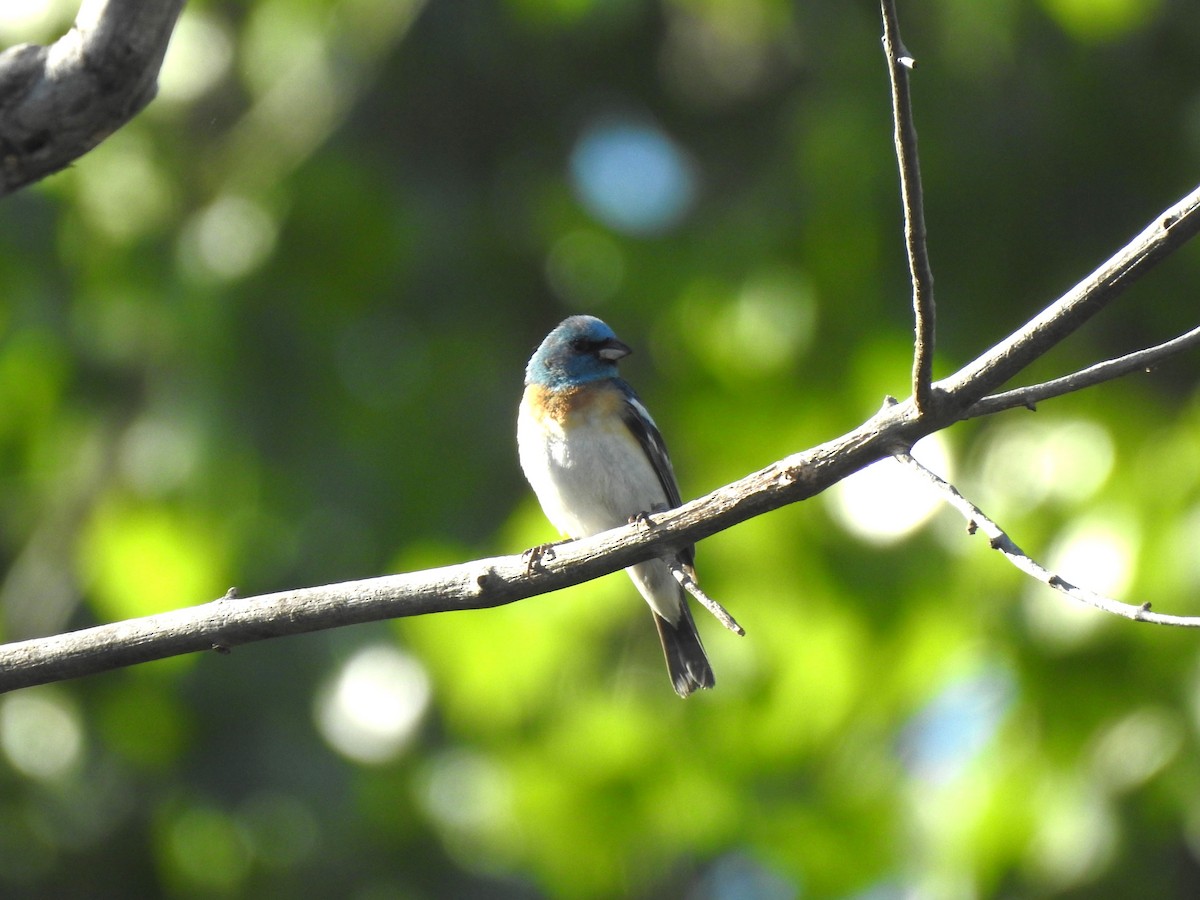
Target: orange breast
570	407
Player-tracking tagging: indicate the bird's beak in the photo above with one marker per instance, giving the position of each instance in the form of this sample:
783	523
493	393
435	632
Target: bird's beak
612	349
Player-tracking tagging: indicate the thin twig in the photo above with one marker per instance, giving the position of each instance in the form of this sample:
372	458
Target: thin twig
900	63
1029	396
688	583
999	540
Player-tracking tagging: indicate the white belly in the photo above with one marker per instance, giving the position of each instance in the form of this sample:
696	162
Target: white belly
594	478
588	480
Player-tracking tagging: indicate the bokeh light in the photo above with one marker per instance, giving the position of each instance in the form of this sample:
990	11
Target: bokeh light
1095	552
467	794
1101	20
584	268
1134	748
199	56
158	454
41	733
632	176
739	876
757	329
19	19
125	194
1076	836
205	851
944	737
370	709
887	501
1029	461
228	240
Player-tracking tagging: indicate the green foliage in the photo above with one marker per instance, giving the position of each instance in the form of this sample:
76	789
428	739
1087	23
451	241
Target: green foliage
272	334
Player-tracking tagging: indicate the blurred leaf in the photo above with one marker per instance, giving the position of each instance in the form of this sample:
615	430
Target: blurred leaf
143	559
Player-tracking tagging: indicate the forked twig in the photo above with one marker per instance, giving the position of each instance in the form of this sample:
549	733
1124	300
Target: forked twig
1166	233
999	540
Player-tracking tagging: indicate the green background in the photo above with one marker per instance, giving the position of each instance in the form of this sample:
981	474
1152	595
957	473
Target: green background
272	334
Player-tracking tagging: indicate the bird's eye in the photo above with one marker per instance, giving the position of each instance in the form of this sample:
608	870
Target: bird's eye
579	345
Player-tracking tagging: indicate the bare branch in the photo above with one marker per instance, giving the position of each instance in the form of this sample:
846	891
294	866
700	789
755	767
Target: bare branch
999	540
1167	233
900	63
720	613
1142	360
230	621
60	101
485	583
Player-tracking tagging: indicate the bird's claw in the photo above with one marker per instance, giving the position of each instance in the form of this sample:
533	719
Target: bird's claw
642	520
534	557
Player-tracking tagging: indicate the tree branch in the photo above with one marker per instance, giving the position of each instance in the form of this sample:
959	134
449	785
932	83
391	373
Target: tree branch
230	621
900	63
999	540
1167	233
493	582
1030	396
60	101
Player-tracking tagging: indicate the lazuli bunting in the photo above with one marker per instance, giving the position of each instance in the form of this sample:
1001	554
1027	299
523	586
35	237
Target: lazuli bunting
596	460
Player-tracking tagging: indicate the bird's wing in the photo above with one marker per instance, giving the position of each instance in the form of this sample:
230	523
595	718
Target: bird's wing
637	419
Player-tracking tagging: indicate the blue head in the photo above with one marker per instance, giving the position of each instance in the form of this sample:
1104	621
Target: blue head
579	350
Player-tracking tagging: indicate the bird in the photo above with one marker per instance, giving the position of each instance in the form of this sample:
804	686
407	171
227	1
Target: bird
596	460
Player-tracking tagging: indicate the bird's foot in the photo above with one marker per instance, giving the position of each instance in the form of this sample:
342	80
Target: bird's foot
535	556
642	520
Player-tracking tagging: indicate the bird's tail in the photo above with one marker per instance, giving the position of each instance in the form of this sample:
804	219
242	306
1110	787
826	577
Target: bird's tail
687	663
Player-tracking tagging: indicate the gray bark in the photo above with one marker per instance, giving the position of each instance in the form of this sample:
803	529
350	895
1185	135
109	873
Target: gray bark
59	101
